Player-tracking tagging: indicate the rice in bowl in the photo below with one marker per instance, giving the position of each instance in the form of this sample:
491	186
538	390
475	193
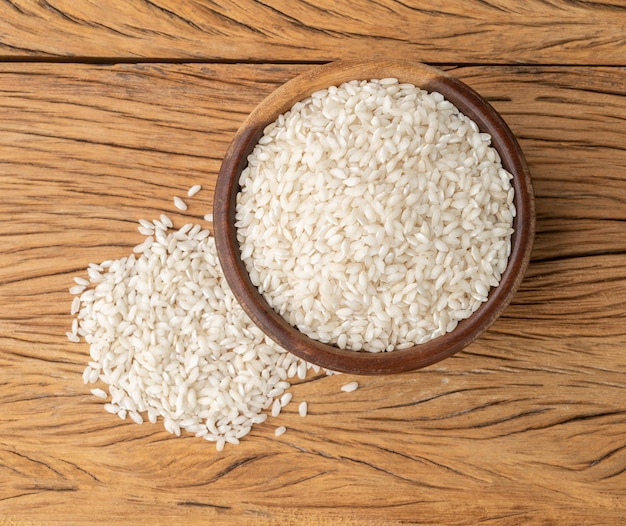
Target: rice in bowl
374	216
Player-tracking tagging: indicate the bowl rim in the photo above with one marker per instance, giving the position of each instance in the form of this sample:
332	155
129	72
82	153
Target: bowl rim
275	326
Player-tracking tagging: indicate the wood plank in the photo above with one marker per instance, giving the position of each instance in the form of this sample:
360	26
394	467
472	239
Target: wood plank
525	426
437	31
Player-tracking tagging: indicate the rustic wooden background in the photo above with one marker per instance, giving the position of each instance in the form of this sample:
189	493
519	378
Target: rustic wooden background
109	108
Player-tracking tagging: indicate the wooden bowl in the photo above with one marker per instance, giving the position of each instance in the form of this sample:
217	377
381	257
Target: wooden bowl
329	356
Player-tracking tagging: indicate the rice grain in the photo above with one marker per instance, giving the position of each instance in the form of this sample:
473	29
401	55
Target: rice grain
194	190
286	398
280	430
179	203
350	387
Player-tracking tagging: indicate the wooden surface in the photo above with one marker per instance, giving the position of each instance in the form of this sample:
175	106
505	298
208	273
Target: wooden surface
110	108
454	31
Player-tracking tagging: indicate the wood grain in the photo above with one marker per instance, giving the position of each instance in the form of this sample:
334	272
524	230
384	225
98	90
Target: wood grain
527	426
435	31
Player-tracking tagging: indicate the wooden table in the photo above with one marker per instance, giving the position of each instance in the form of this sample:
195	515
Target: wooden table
110	108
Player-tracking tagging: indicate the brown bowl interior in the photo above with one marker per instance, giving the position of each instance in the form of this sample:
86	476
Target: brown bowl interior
328	356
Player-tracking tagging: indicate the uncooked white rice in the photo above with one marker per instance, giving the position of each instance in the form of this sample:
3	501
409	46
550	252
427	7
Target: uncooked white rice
179	203
112	408
194	190
165	220
350	387
99	393
286	398
77	289
280	430
303	408
73	337
276	408
169	340
374	216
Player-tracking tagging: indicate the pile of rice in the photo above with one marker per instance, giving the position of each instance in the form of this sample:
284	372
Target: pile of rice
375	216
168	339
